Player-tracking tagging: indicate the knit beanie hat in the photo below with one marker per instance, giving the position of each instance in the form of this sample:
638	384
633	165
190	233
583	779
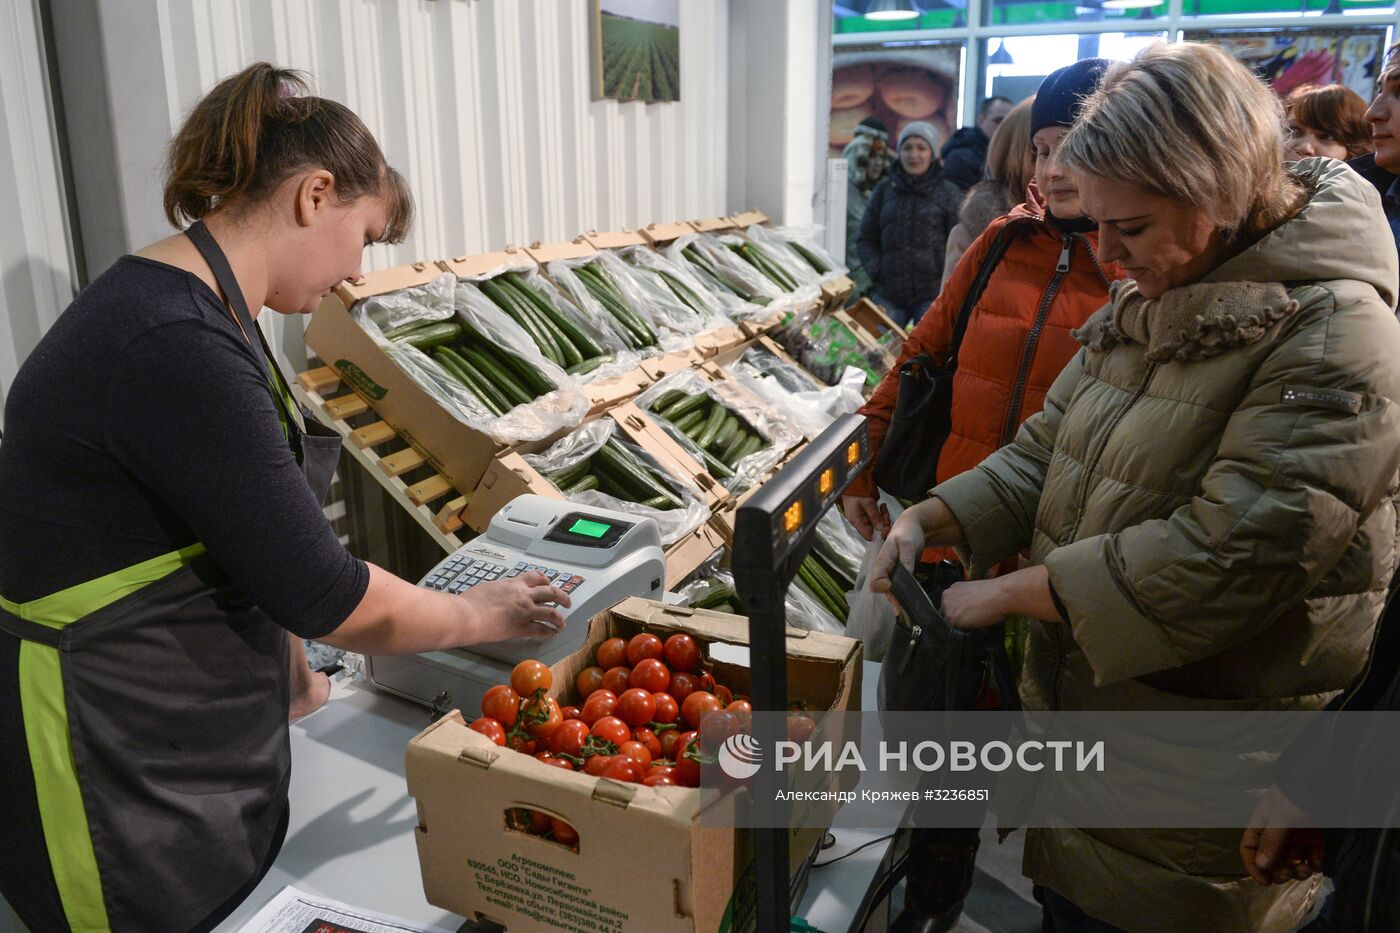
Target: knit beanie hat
873	127
924	131
1057	102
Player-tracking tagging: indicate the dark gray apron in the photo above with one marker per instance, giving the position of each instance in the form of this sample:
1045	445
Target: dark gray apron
169	802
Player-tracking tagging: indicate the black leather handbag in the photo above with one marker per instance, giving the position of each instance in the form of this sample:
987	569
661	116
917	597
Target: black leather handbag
932	666
923	410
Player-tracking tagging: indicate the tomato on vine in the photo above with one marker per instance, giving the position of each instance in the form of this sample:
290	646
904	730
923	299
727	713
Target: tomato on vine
502	704
530	677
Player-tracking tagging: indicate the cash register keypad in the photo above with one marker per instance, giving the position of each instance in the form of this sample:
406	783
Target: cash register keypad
461	573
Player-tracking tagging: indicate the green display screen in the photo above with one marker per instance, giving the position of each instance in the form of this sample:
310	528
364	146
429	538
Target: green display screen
589	529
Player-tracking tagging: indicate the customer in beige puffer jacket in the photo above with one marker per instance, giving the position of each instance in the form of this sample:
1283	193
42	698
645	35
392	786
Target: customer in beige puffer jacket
1208	500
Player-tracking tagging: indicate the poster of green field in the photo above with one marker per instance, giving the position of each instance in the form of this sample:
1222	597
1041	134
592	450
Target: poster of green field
636	49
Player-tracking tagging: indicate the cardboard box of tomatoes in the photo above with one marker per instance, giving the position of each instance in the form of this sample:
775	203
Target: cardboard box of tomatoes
582	831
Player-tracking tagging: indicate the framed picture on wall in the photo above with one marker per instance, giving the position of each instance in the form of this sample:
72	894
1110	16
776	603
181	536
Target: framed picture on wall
1291	58
636	49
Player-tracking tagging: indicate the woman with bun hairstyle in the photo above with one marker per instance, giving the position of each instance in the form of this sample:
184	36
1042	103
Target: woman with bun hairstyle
1326	121
161	532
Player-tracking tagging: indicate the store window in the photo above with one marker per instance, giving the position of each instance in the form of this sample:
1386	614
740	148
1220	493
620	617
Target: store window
929	14
1015	66
1015	12
1275	8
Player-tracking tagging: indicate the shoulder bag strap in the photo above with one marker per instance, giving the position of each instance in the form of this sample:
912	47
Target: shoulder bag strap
979	285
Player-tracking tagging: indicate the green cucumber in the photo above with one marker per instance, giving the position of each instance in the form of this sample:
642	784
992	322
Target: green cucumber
585	344
660	503
714	596
586	483
735	441
427	336
689	423
751	444
810	257
588	365
725	434
477	383
712	425
526	321
667	399
624	461
490	367
682	408
570	475
717	470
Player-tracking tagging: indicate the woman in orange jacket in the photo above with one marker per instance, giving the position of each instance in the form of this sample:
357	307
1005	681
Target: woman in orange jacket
1018	338
1047	283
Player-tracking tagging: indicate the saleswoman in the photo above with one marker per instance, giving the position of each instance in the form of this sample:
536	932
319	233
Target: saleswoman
161	532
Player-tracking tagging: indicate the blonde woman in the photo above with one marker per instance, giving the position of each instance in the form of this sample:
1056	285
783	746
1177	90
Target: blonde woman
1195	532
1010	168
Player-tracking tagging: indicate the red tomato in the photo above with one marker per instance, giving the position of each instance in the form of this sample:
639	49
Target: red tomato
682	653
698	705
683	685
650	675
637	752
623	768
594	764
717	727
612	653
568	739
502	704
643	646
520	743
611	729
669	739
739	706
617	679
542	717
539	822
554	761
726	696
564	834
635	707
655	779
800	727
530	676
601	703
667	709
687	767
569	712
588	680
490	728
648	739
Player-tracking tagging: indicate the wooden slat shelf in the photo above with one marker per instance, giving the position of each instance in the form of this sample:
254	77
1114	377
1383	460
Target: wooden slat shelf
431	500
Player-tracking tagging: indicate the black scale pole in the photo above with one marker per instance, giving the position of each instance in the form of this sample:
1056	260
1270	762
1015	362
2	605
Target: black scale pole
774	530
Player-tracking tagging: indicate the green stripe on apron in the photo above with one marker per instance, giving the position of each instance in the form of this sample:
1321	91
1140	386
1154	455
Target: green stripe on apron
46	730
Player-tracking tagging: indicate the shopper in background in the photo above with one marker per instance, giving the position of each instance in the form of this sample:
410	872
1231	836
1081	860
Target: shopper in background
1382	167
1326	121
161	532
1044	281
1010	168
966	153
865	157
1198	536
905	228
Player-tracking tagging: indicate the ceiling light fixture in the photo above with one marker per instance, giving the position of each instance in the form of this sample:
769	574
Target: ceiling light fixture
1001	56
888	10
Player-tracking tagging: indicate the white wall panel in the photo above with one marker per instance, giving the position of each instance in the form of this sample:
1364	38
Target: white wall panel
37	278
485	107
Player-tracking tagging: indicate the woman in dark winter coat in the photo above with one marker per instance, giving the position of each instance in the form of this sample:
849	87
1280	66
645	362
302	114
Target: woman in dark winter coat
905	228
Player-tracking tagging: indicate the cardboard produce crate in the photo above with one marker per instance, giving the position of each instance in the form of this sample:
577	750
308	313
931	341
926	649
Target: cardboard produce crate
713	225
602	393
619	388
453	448
510	476
873	321
644	862
835	293
662	234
